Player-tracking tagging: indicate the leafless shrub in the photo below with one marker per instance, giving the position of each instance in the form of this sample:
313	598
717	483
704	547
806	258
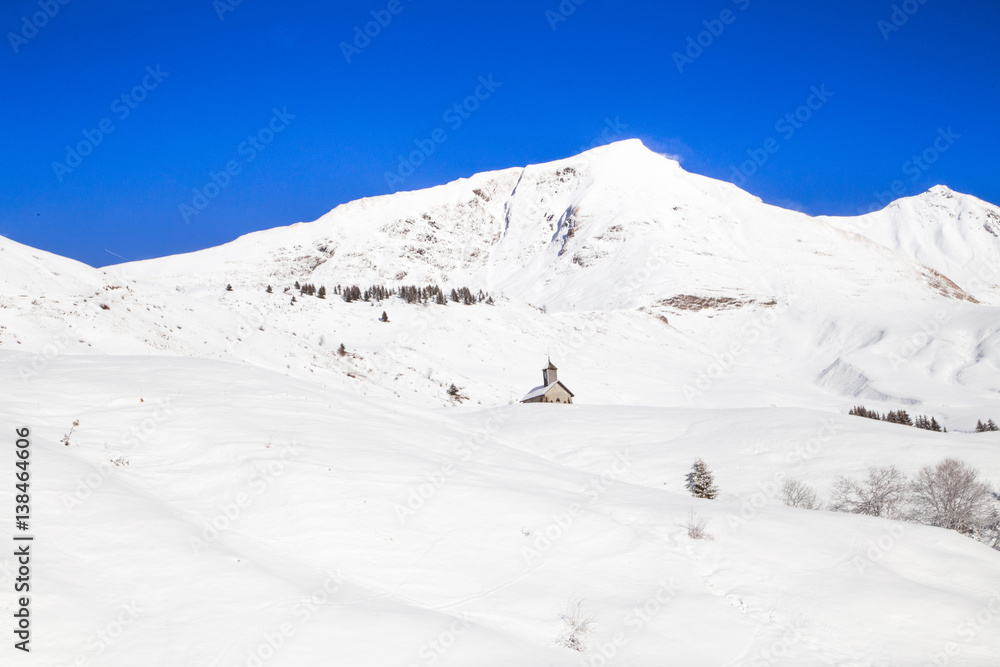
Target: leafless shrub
883	493
65	439
951	495
799	494
697	527
577	627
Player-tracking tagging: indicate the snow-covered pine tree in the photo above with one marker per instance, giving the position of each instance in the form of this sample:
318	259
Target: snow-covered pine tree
700	481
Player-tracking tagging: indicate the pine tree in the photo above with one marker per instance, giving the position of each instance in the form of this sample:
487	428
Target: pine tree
342	351
322	292
980	426
384	318
700	481
297	285
293	299
991	426
229	288
269	290
935	426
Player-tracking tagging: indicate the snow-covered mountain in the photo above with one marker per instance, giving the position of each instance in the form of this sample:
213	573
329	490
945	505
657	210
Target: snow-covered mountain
571	234
631	258
384	521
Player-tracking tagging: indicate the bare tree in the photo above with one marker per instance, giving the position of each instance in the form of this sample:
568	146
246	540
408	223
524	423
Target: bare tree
799	494
950	495
883	493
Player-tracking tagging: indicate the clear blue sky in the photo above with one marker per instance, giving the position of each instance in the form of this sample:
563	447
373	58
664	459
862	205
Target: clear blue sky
559	83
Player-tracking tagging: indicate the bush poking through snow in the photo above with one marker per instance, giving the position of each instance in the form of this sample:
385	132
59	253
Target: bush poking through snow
456	393
342	351
697	527
700	481
72	428
577	627
799	494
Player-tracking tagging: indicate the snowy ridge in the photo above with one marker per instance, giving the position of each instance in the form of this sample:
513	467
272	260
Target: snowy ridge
234	478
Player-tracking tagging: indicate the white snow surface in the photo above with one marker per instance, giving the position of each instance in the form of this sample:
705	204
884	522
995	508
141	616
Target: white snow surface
363	516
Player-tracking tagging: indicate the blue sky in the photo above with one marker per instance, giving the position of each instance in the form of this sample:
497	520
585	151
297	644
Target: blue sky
228	118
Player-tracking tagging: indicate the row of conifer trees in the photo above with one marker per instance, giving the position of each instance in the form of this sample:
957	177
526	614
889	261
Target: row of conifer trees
899	417
922	421
410	294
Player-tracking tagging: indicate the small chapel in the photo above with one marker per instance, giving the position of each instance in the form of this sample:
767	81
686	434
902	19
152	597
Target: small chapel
552	390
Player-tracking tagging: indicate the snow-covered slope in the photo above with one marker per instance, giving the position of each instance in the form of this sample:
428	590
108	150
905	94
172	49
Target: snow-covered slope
205	513
237	492
957	235
27	271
